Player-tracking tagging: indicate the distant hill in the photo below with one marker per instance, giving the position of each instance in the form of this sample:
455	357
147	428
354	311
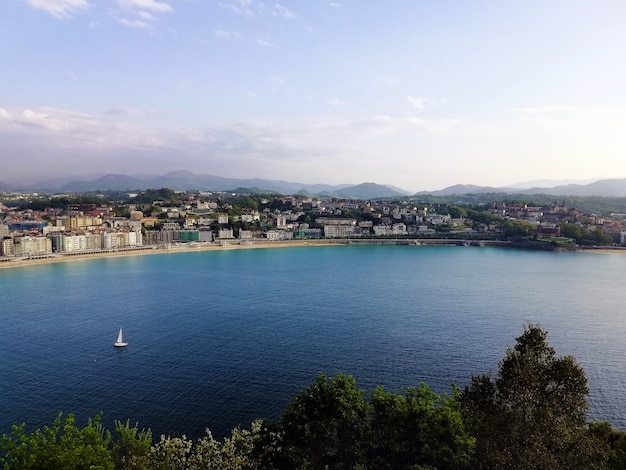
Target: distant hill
106	182
603	188
368	191
550	183
185	180
606	188
468	189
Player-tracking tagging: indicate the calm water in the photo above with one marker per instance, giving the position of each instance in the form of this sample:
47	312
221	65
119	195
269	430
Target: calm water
220	338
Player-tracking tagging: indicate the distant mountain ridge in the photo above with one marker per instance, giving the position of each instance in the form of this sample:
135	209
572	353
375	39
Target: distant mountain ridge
185	180
603	188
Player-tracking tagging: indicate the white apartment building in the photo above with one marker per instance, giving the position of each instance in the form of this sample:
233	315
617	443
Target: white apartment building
382	230
276	235
112	240
6	247
398	229
32	246
225	233
338	231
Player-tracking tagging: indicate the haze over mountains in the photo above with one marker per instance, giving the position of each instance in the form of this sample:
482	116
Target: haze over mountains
185	180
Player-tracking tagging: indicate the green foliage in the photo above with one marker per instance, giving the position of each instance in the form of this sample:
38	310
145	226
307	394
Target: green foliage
584	236
482	217
131	448
60	202
235	452
516	228
418	429
325	425
121	211
150	195
457	212
533	414
61	445
332	425
616	441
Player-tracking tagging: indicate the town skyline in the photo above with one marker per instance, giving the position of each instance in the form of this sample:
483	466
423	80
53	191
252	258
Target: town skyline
418	96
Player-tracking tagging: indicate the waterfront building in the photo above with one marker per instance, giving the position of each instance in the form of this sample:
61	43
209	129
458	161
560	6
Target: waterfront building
338	231
7	247
308	233
189	236
205	235
32	246
225	233
277	235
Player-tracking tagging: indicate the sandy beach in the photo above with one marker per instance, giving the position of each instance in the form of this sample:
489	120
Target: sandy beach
7	263
605	250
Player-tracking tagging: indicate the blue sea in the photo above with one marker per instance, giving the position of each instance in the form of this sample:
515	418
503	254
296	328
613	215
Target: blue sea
219	338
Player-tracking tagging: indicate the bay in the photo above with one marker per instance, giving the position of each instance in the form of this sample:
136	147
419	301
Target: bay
218	338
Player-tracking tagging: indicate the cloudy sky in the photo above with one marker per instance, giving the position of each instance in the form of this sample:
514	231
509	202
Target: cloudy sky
421	94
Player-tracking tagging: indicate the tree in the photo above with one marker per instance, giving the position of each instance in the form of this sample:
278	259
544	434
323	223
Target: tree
235	452
418	429
61	445
331	425
533	414
130	449
325	425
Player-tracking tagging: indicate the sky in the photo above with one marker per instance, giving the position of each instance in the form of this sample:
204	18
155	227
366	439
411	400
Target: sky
420	94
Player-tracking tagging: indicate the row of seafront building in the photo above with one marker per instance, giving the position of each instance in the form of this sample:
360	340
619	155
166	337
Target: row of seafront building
28	235
77	229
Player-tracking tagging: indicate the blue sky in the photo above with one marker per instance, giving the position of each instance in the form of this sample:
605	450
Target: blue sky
418	94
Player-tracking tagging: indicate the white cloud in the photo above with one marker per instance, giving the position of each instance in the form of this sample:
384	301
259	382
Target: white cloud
125	136
419	102
125	111
142	5
282	12
242	7
334	101
264	43
59	8
146	15
140	14
138	24
133	129
220	33
257	8
543	110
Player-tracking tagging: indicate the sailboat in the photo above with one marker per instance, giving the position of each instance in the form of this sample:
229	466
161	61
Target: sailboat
120	340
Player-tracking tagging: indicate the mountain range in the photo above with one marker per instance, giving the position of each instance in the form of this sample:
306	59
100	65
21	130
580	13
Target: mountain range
602	188
185	180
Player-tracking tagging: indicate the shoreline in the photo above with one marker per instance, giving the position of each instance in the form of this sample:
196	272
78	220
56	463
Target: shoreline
8	263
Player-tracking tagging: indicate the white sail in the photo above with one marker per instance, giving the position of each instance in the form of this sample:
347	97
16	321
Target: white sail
120	340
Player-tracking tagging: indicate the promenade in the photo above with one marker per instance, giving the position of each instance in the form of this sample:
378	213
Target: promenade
11	262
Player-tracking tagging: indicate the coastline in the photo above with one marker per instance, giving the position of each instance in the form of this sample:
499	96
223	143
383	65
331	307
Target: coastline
184	248
159	249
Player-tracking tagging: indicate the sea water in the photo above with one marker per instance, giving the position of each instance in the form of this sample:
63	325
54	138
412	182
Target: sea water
219	338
